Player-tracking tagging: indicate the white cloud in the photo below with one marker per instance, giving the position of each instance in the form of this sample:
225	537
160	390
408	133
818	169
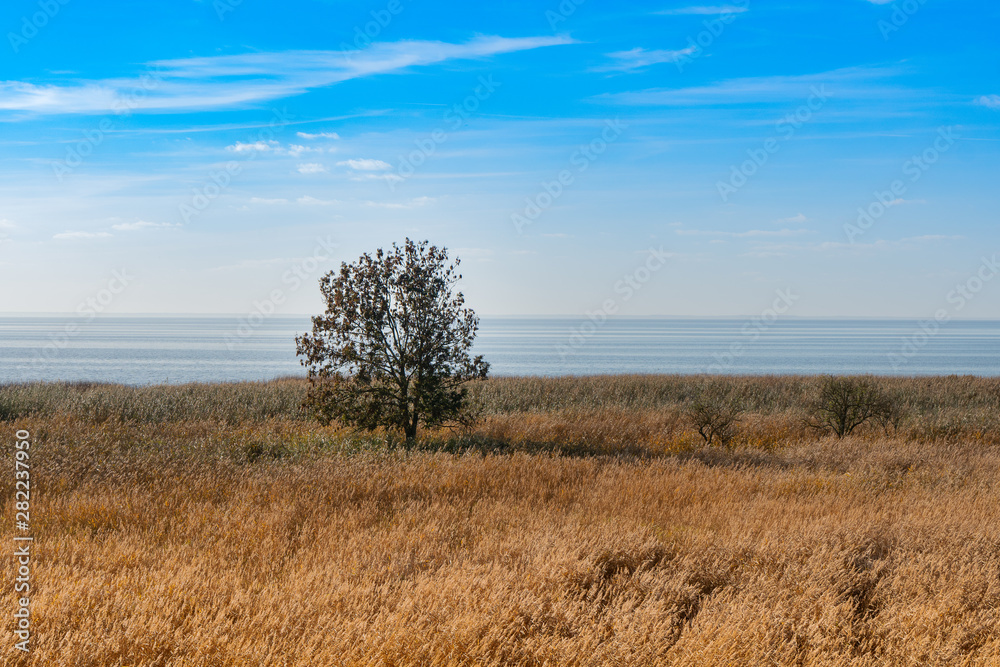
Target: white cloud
82	235
626	61
141	224
311	168
296	150
747	234
6	224
257	146
851	82
989	101
781	249
365	164
708	10
935	237
262	200
413	203
794	218
763	254
312	201
273	147
228	81
318	135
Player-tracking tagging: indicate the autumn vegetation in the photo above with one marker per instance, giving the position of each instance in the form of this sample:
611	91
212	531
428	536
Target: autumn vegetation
578	521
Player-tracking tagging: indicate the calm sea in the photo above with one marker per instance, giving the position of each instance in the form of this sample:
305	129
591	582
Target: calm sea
145	350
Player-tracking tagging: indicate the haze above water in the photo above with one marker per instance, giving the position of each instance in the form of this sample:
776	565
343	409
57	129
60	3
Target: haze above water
152	350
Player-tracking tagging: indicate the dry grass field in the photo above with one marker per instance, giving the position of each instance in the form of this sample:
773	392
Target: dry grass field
581	522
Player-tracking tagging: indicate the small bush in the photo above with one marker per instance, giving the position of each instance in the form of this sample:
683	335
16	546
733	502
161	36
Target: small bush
890	413
845	403
715	415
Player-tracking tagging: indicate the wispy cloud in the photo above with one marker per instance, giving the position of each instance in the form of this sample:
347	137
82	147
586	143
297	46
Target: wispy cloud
936	237
272	147
852	82
637	58
413	203
318	135
795	218
296	150
247	79
365	164
751	233
311	168
991	101
783	249
141	224
263	200
312	201
703	10
255	147
82	235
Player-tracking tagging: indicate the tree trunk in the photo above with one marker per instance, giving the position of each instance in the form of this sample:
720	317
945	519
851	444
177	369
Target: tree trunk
410	431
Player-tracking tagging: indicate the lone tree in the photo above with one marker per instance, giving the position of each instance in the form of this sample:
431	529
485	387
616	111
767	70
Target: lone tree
393	347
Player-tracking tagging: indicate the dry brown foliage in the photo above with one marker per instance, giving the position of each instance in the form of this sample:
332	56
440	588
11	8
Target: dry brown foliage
591	528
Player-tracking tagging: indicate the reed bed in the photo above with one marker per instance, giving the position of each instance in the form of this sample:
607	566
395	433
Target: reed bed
581	522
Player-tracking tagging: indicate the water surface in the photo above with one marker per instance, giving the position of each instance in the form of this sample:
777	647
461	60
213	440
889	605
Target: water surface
178	349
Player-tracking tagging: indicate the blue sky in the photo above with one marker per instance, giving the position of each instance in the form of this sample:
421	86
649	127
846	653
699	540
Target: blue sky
220	155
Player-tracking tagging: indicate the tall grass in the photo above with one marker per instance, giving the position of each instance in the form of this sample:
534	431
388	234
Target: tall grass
228	403
861	551
935	408
217	525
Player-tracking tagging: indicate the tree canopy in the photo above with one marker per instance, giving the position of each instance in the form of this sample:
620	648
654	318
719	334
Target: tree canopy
393	348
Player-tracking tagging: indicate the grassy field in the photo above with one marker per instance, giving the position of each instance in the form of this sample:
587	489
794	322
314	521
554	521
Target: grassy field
581	522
